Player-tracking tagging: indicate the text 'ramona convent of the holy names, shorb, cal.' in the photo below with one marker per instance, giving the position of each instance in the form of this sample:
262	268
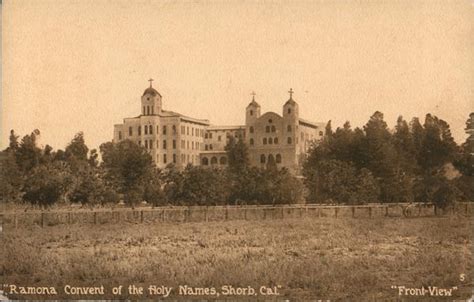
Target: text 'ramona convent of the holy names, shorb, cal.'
174	138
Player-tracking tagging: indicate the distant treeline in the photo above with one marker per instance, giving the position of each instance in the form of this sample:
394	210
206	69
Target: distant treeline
413	162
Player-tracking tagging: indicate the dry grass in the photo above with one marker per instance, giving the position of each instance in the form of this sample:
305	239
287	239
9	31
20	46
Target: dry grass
337	259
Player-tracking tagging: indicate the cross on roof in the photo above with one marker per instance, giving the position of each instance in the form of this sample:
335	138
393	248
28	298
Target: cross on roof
150	80
253	94
291	93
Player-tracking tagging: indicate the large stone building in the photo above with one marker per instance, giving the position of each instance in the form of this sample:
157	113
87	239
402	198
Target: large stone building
174	138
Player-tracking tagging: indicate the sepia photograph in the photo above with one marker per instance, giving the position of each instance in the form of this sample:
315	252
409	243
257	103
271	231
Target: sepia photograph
237	150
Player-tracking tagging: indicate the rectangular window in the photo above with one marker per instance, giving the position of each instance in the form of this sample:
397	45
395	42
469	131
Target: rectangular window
192	131
183	130
146	130
192	143
219	138
146	144
151	144
157	129
164	130
174	129
164	158
174	158
164	144
157	144
174	144
140	130
130	131
120	135
151	129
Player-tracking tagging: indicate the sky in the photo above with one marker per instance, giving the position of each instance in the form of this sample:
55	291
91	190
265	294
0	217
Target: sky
82	65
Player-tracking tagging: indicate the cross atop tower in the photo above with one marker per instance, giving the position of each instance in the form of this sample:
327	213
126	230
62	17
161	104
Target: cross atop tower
150	80
291	93
253	94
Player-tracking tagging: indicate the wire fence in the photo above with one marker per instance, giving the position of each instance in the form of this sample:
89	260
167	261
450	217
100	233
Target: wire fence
183	214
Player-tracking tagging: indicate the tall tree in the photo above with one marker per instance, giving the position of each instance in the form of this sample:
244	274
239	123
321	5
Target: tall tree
28	154
77	148
127	165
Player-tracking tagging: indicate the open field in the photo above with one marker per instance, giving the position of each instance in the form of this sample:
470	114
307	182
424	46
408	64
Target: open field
325	258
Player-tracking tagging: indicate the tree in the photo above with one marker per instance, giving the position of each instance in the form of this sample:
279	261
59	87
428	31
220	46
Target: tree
126	165
203	186
13	145
237	154
77	148
28	154
44	186
11	178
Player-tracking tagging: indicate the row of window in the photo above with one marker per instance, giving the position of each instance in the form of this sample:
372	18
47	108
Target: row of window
264	159
185	158
222	161
271	128
184	144
148	129
271	141
149	110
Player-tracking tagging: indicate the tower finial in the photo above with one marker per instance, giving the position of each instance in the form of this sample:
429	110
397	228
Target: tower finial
253	94
150	80
291	93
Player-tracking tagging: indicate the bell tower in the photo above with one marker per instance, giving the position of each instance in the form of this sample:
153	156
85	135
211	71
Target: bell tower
151	101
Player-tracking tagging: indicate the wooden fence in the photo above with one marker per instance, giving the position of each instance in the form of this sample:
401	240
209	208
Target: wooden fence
222	213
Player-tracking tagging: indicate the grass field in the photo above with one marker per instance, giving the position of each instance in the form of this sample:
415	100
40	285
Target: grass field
326	258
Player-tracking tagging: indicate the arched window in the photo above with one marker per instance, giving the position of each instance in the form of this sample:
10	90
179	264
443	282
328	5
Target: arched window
289	110
264	140
275	140
214	160
288	128
278	159
267	129
148	110
251	129
270	140
146	129
251	112
251	141
273	129
205	161
144	110
262	158
151	129
139	130
223	160
290	141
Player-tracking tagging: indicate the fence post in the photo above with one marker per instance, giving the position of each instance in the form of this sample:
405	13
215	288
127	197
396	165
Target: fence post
141	216
264	213
226	214
245	213
370	212
386	211
282	213
335	212
435	208
15	220
353	211
465	209
42	219
206	214
95	217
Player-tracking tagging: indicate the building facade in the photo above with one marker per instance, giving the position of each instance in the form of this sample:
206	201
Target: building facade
172	138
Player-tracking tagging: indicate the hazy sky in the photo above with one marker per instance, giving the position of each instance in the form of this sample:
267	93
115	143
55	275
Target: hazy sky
81	65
